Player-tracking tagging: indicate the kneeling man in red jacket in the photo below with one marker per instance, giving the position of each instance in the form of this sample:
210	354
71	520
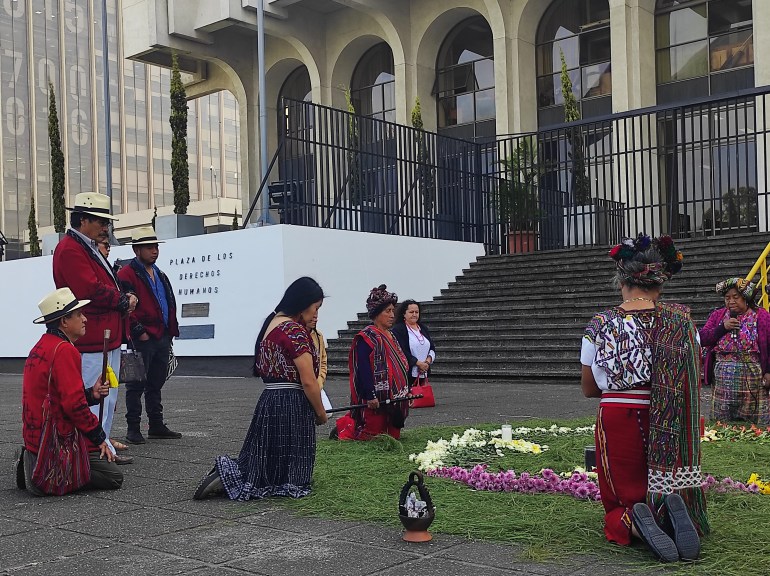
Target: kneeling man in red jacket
55	362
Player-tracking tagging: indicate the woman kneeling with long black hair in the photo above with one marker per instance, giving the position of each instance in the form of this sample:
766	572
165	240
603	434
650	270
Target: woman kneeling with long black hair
278	453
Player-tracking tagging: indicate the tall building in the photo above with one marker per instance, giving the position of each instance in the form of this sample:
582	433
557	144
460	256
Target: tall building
671	97
59	43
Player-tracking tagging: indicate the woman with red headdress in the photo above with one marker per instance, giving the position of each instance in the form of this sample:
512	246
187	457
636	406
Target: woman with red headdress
378	373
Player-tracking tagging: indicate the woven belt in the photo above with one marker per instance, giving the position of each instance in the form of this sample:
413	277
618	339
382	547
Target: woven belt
639	397
283	386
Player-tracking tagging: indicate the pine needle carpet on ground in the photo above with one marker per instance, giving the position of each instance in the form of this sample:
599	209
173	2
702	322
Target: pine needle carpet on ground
362	481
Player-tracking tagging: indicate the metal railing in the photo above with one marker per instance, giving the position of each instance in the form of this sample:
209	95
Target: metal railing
689	170
760	267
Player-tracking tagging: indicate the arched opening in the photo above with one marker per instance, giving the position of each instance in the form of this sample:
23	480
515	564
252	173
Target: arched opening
708	152
465	81
373	85
296	168
580	31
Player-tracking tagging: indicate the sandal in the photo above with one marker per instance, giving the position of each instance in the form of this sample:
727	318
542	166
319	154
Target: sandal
119	446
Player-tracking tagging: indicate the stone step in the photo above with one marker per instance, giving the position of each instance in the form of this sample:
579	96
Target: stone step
520	318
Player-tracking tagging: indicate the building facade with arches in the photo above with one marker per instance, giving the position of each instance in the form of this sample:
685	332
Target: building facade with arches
486	69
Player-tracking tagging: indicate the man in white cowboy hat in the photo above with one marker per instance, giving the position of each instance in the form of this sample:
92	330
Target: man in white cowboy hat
153	325
56	355
78	264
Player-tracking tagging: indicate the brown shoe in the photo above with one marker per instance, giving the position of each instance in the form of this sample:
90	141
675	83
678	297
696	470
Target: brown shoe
122	460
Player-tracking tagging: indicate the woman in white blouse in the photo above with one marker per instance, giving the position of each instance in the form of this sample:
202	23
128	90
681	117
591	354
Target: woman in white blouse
415	340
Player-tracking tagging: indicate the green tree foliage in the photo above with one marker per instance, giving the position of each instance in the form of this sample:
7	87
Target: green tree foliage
57	163
154	216
355	175
180	169
517	195
34	241
425	171
235	221
581	186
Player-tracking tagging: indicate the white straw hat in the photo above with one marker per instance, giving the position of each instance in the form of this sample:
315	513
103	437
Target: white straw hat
144	235
93	203
57	304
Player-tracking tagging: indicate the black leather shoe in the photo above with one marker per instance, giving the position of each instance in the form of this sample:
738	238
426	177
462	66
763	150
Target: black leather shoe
209	486
685	534
135	437
18	459
161	432
653	535
122	460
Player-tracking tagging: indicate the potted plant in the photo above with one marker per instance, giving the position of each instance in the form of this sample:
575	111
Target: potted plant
517	200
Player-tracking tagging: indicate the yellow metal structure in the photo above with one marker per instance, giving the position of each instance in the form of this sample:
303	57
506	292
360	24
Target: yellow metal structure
760	266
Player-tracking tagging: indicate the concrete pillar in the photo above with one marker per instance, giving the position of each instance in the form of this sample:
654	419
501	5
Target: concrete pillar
635	175
761	13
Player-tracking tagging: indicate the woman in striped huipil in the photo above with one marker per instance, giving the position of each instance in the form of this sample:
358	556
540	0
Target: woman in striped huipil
641	359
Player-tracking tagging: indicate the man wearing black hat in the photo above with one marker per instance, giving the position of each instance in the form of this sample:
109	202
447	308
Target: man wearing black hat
153	325
78	264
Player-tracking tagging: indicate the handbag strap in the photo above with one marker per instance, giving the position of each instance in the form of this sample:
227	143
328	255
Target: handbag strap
50	369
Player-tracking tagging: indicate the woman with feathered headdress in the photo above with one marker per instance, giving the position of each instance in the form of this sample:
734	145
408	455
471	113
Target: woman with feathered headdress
641	359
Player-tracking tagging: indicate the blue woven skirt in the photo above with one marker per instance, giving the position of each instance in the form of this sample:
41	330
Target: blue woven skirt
278	453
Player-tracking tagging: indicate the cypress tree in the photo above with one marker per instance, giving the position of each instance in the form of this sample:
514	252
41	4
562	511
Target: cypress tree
235	221
424	170
581	188
355	177
154	216
34	241
57	163
180	169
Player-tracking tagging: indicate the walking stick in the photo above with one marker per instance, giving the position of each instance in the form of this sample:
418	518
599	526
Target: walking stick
104	372
386	402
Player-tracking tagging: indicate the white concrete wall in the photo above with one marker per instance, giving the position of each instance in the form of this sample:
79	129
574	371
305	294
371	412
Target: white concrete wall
248	270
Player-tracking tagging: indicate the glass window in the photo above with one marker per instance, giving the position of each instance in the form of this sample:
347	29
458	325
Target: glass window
466	78
581	33
701	40
373	78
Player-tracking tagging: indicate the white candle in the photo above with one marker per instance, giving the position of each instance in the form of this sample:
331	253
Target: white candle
507	433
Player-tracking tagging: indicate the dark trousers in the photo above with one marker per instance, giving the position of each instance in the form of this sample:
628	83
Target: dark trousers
104	475
155	354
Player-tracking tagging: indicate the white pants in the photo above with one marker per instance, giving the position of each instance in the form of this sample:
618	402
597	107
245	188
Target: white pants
92	369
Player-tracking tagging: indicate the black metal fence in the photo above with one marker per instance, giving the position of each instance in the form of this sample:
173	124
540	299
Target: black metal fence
690	170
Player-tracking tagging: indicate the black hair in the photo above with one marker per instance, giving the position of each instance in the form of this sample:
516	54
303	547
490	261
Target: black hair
76	219
403	307
300	295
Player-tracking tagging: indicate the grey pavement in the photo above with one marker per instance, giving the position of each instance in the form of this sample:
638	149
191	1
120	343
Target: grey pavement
152	526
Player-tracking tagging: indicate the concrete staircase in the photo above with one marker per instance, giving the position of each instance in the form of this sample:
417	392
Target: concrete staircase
520	318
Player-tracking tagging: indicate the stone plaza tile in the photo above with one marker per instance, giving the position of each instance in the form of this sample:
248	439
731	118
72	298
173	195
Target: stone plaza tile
322	556
442	567
137	525
220	507
150	492
119	560
44	546
9	526
224	541
283	519
52	511
390	538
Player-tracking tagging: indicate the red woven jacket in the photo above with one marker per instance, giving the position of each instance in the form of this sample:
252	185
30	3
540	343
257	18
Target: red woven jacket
148	316
76	267
69	404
